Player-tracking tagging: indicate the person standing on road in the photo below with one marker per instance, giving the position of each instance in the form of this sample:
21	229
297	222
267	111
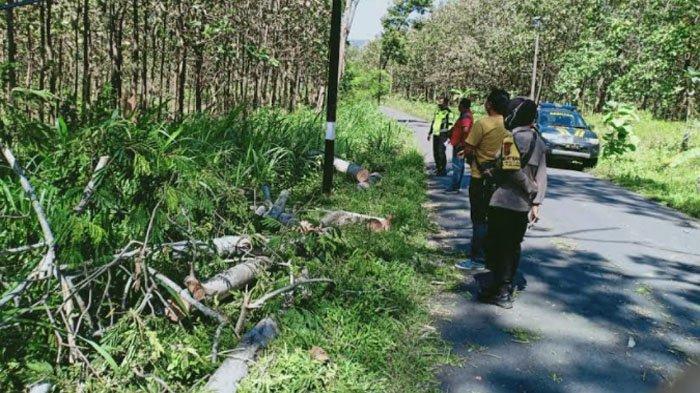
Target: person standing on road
482	145
515	203
439	127
459	134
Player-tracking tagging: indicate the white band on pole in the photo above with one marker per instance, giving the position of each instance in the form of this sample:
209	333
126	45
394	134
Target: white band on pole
330	131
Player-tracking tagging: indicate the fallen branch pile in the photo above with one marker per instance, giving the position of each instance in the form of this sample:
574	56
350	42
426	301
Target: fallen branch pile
89	300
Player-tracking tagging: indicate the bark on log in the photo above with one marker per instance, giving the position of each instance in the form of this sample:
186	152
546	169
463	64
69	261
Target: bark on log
354	171
41	387
223	246
278	207
341	218
236	277
185	296
226	378
90	187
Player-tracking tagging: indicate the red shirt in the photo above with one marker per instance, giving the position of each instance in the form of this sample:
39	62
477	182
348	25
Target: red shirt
461	129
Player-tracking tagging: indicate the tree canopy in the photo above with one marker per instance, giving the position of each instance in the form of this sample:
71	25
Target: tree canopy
646	52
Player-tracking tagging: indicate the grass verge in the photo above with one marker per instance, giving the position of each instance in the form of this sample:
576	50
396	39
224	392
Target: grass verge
663	168
376	326
197	180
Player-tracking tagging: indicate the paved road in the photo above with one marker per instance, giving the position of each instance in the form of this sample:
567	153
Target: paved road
612	298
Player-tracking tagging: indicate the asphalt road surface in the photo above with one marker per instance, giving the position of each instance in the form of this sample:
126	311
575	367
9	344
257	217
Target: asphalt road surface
611	301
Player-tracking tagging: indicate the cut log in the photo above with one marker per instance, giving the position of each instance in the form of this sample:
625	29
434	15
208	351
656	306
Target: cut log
41	387
375	178
185	296
236	277
223	246
227	377
341	218
354	171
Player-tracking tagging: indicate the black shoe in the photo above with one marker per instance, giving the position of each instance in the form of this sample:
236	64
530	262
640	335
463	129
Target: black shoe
504	299
488	295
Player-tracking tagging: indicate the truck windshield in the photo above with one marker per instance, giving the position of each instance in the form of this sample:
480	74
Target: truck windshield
561	118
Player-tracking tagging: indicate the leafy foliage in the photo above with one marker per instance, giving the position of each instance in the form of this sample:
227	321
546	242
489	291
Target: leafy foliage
619	137
659	168
642	52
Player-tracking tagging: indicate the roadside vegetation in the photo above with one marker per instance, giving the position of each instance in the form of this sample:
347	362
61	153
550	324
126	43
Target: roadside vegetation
665	166
147	131
196	180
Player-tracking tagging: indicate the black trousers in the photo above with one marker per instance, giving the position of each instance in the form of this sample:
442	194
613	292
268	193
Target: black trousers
479	198
439	155
506	231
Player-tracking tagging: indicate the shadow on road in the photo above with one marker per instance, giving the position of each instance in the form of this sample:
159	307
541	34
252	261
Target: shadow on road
585	311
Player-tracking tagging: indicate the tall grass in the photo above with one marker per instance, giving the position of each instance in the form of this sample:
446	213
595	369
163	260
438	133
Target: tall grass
203	175
663	167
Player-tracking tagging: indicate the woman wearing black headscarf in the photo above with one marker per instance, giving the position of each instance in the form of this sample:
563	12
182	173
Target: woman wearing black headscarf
515	202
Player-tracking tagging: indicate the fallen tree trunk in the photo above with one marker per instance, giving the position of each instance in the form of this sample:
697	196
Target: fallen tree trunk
236	277
226	378
341	218
354	171
41	387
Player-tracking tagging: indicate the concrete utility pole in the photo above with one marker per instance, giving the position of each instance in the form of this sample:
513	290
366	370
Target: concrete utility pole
332	105
537	24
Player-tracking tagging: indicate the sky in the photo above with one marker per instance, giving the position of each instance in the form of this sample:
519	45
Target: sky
368	19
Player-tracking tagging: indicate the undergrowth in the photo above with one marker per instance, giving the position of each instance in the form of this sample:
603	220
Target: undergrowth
198	179
665	166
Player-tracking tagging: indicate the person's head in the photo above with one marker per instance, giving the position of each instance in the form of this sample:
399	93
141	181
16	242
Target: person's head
497	102
521	112
465	104
444	102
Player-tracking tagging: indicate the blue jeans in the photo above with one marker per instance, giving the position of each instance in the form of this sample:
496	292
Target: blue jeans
457	171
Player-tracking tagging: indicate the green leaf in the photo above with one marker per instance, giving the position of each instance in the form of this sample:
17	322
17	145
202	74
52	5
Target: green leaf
103	352
61	127
40	367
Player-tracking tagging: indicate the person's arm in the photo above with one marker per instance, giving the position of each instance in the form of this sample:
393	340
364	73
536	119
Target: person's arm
472	140
541	180
466	129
